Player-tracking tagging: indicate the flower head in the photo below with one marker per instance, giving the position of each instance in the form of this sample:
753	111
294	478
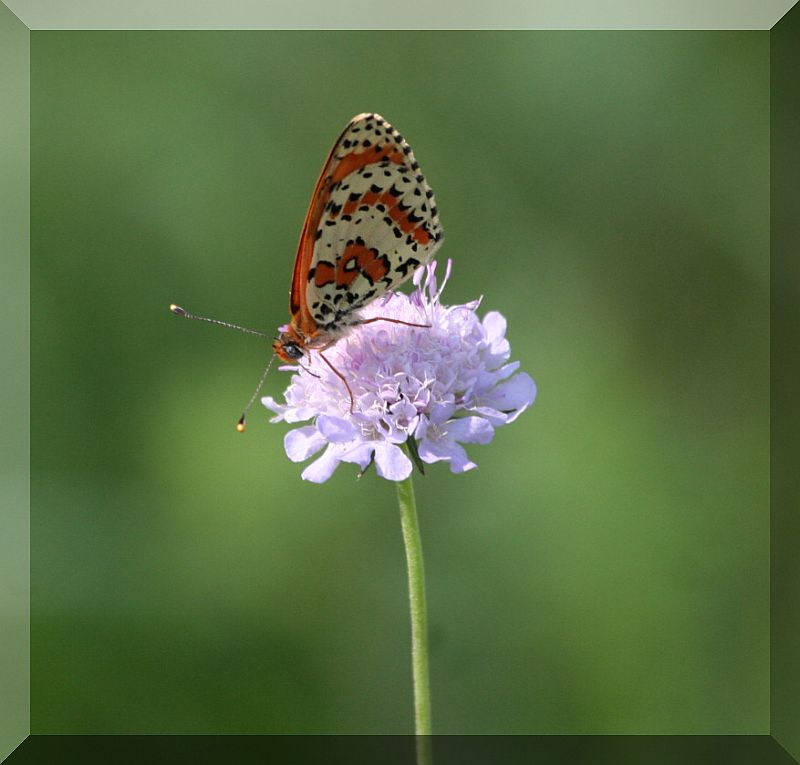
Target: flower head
432	387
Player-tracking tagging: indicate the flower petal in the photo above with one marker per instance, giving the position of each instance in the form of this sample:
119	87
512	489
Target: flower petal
459	462
434	451
470	430
361	454
336	429
495	325
322	469
442	411
391	463
506	370
279	409
495	417
403	410
513	396
448	451
301	443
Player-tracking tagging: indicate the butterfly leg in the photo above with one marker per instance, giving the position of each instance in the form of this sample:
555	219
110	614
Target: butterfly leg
342	378
308	369
394	321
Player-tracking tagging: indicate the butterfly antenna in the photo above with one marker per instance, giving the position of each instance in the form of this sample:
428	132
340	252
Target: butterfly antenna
240	426
178	311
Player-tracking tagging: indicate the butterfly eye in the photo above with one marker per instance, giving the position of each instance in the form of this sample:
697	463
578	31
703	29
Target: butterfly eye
293	350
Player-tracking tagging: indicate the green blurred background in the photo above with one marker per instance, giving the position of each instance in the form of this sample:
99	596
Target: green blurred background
606	568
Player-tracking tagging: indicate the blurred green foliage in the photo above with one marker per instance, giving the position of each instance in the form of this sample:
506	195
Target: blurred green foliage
605	570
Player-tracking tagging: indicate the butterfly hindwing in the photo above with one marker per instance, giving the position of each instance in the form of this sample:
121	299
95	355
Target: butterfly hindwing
372	221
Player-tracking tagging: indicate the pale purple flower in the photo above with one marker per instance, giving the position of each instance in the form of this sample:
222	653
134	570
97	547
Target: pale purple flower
443	386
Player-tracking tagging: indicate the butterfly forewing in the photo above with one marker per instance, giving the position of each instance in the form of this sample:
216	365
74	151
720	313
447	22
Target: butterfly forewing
371	222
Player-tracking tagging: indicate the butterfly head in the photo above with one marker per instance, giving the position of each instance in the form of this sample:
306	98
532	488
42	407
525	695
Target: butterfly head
289	346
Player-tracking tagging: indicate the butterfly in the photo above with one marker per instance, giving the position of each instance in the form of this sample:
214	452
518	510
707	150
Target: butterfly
371	222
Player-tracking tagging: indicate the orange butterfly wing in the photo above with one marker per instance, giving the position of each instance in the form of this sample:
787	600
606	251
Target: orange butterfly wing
371	221
298	308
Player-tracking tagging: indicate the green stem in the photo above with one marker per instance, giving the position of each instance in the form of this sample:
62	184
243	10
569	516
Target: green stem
419	620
